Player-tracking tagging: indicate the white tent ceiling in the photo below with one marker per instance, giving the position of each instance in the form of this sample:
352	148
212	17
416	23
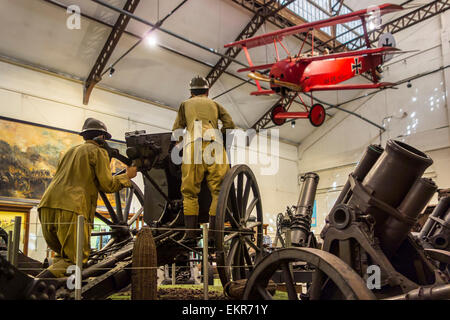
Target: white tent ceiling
35	32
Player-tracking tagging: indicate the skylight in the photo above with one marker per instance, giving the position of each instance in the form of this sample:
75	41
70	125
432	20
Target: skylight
314	10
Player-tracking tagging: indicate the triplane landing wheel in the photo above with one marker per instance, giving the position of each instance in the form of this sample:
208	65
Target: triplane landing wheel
335	276
239	224
277	109
317	115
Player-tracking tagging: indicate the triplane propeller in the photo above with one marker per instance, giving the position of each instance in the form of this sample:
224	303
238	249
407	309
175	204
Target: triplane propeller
308	72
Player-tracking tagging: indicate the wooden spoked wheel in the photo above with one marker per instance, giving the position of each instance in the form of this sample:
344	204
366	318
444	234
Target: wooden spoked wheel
239	225
121	219
332	278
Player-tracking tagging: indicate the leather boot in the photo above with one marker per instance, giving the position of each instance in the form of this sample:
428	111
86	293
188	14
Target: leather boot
191	222
212	230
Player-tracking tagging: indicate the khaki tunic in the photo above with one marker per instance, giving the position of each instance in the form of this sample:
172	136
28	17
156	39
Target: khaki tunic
82	172
209	112
201	108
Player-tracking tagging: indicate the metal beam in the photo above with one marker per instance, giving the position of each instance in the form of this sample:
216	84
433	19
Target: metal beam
116	33
335	13
265	11
412	18
285	18
132	16
176	52
158	24
141	20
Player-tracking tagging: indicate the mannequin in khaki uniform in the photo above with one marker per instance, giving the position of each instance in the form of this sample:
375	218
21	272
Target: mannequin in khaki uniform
83	171
201	112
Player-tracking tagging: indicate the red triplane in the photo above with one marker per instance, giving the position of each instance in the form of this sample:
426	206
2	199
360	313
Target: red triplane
308	72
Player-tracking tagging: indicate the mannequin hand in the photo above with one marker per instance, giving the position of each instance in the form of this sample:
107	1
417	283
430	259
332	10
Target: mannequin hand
131	172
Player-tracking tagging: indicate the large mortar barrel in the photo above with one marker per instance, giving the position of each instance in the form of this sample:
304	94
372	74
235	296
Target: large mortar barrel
394	231
371	155
393	175
301	223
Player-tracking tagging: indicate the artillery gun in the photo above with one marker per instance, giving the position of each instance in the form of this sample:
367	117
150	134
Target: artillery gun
238	234
294	226
435	233
294	230
368	251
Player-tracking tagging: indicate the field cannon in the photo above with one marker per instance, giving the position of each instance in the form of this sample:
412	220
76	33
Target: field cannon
237	238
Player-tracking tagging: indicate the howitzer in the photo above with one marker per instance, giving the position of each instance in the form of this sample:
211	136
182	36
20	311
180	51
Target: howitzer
368	229
296	221
295	225
301	235
373	226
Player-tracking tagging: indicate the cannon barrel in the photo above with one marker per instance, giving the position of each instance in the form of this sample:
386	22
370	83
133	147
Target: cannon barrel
392	176
109	262
373	152
301	222
392	192
436	292
395	231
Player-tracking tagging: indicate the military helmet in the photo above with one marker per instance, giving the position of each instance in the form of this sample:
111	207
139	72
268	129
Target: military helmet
92	124
199	83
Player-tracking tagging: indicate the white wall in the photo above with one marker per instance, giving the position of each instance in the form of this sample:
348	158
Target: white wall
334	149
276	174
46	99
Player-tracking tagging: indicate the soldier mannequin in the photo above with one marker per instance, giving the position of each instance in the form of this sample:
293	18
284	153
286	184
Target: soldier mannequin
201	109
83	171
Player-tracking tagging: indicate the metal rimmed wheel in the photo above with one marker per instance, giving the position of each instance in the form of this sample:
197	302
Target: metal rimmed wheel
121	219
275	110
239	224
317	115
336	277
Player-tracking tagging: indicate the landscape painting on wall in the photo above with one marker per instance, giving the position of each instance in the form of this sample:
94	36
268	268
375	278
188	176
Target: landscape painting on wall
29	156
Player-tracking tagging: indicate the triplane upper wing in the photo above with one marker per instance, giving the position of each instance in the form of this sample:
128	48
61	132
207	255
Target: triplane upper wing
269	38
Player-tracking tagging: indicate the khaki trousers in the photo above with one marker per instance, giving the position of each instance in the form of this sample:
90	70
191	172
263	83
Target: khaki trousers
59	228
194	173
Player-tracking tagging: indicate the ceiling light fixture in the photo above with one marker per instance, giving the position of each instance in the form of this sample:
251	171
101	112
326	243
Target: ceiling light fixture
151	40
